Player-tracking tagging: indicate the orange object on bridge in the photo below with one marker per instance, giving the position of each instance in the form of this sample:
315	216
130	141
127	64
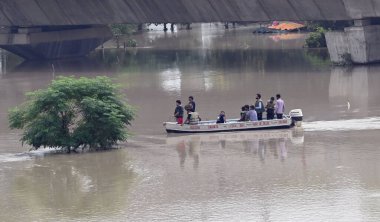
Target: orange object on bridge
286	26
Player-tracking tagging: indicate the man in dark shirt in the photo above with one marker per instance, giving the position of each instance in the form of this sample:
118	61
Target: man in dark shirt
192	103
259	107
178	112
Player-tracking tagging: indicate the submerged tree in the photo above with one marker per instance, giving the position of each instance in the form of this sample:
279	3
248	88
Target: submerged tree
74	113
317	39
126	30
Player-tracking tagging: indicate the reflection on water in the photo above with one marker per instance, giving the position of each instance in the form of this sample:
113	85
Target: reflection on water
256	175
349	89
65	184
261	144
188	149
171	81
3	62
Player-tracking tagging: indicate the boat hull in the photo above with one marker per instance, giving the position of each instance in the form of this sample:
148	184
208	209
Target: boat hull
231	125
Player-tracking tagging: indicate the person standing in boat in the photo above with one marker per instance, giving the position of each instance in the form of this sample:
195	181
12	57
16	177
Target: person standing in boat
252	114
280	107
193	118
259	106
270	108
192	103
221	117
178	112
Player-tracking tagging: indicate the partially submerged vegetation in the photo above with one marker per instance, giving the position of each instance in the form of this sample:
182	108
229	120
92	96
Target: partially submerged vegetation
74	113
317	37
126	30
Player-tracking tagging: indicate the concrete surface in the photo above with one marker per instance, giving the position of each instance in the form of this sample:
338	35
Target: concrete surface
55	44
360	44
92	12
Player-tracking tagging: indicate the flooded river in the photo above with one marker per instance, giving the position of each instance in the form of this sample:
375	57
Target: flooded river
330	171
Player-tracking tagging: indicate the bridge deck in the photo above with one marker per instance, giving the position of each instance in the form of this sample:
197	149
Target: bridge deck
96	12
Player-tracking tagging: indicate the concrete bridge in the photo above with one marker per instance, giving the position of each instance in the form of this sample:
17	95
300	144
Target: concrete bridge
49	29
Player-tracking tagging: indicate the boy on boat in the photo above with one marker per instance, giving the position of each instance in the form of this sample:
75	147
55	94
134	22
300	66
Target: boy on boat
243	113
221	117
178	112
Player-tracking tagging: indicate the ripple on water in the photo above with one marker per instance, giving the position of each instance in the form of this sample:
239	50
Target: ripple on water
18	157
10	157
372	123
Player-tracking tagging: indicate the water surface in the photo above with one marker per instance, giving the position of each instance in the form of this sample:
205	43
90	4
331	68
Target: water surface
327	172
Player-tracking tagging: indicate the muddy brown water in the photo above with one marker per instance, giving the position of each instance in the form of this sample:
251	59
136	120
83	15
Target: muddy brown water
329	171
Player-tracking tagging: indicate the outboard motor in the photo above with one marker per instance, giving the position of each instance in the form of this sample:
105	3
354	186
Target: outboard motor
297	117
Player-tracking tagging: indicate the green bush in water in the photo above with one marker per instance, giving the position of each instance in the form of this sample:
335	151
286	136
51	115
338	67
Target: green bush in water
131	43
316	39
123	29
74	113
126	30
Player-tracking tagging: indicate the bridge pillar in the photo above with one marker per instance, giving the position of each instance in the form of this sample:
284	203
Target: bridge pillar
226	25
359	44
53	42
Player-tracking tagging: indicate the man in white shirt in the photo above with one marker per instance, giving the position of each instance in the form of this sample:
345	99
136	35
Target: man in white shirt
280	107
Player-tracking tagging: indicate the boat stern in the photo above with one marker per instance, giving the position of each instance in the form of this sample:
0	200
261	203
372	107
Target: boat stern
297	117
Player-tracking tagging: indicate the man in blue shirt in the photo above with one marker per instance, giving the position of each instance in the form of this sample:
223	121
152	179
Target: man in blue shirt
178	112
192	103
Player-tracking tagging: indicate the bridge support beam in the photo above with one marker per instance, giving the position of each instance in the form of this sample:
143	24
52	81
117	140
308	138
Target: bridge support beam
53	42
358	44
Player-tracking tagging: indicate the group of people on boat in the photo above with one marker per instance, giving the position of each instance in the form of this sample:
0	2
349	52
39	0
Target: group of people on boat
192	116
248	113
255	112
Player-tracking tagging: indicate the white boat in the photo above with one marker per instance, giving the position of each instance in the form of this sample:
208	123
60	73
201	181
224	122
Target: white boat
295	136
293	119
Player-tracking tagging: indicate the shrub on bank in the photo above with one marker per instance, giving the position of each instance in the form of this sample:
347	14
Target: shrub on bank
74	113
318	29
316	39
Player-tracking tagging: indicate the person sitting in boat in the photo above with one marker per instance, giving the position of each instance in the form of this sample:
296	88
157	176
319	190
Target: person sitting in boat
252	114
178	112
270	108
192	103
221	117
243	113
193	118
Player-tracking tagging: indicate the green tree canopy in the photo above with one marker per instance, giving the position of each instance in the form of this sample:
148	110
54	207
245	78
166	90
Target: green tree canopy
317	39
73	113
